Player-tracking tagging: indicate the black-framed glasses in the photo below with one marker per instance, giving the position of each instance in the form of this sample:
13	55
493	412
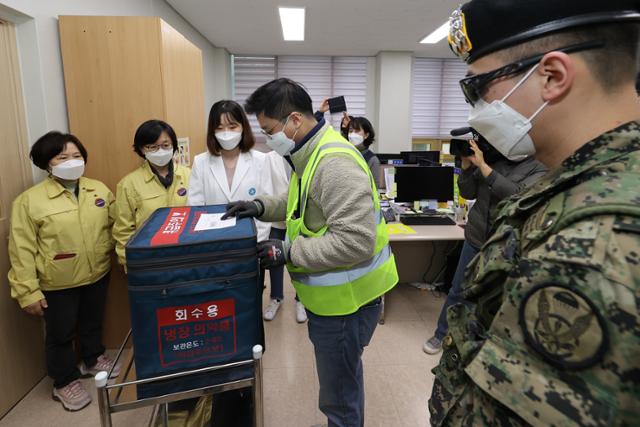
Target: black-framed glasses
473	87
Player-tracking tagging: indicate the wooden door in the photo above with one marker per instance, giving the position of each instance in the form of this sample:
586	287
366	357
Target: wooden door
22	362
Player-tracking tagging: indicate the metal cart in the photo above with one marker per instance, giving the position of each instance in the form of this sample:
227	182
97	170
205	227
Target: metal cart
110	395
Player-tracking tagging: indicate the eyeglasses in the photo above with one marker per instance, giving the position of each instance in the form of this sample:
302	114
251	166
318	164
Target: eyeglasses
268	133
473	87
152	148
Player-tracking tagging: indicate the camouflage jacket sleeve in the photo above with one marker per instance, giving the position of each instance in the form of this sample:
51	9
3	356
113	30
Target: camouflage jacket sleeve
563	347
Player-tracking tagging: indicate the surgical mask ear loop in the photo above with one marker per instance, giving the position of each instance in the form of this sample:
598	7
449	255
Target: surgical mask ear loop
293	138
520	83
285	126
538	111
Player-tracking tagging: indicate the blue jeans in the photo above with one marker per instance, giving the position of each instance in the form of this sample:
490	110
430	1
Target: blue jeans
455	293
277	274
338	343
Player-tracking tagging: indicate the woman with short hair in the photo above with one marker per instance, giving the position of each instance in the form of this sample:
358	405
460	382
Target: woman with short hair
158	183
59	248
362	135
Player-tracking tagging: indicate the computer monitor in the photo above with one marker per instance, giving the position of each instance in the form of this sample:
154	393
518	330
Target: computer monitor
386	158
424	183
414	157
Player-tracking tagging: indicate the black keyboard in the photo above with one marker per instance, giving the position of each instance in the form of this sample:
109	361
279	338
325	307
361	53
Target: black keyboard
426	220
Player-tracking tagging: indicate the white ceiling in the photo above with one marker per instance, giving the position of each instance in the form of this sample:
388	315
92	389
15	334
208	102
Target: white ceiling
333	27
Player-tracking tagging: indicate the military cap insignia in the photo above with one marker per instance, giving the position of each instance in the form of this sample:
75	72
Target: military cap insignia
459	41
563	326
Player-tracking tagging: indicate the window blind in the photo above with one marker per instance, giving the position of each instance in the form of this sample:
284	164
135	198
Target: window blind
438	103
251	72
322	76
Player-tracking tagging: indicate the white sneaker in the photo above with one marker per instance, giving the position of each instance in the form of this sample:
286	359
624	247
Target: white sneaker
73	396
104	363
272	309
432	346
301	313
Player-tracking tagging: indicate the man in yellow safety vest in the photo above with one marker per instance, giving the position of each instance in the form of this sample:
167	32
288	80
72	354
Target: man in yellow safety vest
336	250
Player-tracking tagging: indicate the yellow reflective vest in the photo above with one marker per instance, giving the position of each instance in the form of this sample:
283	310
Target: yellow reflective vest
343	291
139	194
58	241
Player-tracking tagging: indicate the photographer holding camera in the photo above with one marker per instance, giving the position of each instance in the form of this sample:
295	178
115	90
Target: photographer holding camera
488	177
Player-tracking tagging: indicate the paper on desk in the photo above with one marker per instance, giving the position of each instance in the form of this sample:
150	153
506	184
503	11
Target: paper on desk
399	229
389	182
214	222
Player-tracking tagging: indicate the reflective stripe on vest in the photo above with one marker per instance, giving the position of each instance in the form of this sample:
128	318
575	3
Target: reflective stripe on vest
338	277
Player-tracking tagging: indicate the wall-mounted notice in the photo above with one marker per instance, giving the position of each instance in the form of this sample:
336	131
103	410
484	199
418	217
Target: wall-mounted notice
183	155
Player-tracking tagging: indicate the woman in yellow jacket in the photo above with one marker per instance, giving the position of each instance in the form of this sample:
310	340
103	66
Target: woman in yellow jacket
59	247
158	183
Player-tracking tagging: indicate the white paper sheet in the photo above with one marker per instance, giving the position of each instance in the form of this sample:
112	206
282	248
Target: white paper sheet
214	222
389	181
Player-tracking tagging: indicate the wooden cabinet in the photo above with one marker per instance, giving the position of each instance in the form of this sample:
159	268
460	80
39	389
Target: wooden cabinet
120	72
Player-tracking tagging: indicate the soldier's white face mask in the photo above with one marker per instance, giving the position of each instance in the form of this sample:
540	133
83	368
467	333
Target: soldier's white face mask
505	128
70	170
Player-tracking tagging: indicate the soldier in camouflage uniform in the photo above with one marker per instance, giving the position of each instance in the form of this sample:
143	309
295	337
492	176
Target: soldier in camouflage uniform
552	334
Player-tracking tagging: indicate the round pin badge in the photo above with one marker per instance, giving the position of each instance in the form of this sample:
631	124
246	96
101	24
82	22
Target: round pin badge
100	203
252	191
182	192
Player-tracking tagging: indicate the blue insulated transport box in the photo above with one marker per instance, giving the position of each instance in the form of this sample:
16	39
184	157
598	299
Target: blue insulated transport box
194	294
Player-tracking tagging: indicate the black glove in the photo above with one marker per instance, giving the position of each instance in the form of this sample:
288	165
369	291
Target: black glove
273	253
244	209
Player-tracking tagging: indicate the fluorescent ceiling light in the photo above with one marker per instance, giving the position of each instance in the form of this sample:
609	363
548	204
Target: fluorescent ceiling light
292	20
437	35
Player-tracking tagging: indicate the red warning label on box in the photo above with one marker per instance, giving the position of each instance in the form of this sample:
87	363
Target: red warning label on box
196	332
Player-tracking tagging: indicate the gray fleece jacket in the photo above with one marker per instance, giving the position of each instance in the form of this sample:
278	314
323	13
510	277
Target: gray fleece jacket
340	197
507	178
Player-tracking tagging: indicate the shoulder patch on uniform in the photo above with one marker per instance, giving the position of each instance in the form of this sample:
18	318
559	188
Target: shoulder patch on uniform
563	326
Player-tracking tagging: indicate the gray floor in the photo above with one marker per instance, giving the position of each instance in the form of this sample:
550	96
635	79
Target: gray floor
397	373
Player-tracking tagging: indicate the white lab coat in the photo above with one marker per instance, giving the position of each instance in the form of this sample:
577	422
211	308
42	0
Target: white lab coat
252	178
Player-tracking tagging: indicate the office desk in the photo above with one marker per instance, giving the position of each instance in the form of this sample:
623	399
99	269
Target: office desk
429	233
428	247
423	253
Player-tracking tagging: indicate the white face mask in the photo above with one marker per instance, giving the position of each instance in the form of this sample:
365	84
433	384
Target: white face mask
229	140
281	143
356	138
505	128
69	170
161	157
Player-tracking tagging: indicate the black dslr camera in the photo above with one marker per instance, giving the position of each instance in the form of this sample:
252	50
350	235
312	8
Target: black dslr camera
462	148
